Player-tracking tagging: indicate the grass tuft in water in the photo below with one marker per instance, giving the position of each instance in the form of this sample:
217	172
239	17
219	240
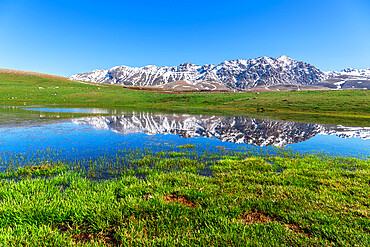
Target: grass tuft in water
187	146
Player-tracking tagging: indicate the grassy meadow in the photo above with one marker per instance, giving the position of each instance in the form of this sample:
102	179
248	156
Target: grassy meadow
179	196
246	199
347	107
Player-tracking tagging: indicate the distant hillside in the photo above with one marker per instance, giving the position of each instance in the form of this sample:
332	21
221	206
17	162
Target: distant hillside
30	73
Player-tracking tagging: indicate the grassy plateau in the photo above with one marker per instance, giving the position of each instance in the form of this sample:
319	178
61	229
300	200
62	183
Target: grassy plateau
347	107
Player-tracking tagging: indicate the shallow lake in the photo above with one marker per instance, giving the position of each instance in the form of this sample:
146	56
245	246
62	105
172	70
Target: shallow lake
97	135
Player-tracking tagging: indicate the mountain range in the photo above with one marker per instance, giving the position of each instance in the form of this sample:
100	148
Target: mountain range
258	132
264	72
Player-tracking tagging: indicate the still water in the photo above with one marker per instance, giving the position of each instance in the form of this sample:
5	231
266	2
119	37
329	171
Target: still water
97	135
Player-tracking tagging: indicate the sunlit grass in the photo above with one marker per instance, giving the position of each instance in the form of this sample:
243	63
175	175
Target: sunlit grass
139	197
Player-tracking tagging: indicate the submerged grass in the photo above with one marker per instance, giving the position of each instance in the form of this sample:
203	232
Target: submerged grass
34	170
250	199
187	146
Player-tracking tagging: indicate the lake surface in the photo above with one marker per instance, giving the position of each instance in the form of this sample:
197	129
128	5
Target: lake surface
97	135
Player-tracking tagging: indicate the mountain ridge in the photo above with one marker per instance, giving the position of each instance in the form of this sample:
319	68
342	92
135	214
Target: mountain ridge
236	74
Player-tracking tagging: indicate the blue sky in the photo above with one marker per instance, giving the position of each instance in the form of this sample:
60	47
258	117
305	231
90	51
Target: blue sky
65	37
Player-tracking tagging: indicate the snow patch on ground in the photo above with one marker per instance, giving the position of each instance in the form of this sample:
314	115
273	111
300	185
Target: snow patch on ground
339	84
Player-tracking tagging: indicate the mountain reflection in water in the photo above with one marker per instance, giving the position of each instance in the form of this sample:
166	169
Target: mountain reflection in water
259	132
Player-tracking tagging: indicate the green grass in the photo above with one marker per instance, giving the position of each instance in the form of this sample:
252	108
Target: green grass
35	170
349	107
187	146
258	200
172	154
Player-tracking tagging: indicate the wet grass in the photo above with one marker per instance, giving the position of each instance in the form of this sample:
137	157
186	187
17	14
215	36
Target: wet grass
278	198
348	107
165	157
35	170
187	146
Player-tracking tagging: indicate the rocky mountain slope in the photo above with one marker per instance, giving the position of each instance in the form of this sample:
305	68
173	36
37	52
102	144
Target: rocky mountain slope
347	79
235	74
346	82
259	132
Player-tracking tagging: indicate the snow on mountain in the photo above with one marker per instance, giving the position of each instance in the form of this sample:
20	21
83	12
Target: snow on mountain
234	74
356	72
259	132
349	72
347	79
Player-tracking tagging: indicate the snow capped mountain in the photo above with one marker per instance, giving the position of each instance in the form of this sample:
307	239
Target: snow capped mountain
234	74
347	79
259	132
349	72
356	72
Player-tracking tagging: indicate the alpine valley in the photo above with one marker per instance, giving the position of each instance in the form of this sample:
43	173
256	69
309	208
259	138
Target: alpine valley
263	73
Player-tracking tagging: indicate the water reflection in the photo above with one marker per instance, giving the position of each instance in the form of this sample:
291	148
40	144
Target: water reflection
259	132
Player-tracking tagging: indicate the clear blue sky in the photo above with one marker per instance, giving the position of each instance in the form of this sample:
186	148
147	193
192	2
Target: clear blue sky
65	37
